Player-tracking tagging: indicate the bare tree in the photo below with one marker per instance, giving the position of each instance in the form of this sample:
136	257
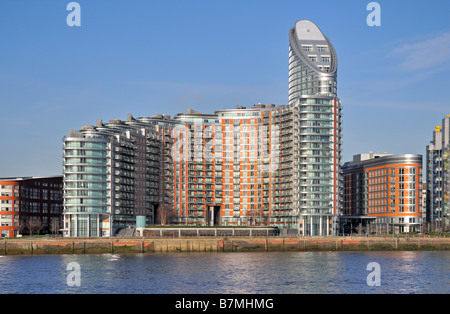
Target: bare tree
264	218
55	225
424	228
34	224
383	229
21	226
39	225
31	225
251	214
165	214
360	229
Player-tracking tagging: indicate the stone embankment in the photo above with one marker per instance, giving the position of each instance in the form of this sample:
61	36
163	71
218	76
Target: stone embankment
217	244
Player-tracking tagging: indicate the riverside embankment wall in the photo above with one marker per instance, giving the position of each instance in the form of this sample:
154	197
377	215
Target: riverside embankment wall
217	244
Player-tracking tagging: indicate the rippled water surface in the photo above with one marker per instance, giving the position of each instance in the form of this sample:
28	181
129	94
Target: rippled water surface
223	273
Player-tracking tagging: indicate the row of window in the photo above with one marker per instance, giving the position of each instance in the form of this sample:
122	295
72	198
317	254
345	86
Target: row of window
394	171
392	209
320	48
325	59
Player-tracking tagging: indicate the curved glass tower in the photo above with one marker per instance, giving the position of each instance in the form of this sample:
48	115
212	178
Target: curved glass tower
317	129
87	179
312	62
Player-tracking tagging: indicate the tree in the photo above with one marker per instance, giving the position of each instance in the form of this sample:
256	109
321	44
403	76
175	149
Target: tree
251	214
31	225
264	217
21	227
34	224
360	229
165	214
383	229
55	225
39	225
424	227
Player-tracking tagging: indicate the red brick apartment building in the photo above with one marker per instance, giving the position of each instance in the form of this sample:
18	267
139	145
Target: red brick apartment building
382	190
38	199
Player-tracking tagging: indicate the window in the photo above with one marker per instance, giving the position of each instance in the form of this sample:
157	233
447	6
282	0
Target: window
325	59
307	48
323	49
313	58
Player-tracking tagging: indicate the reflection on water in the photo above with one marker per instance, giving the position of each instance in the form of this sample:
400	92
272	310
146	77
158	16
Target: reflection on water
223	273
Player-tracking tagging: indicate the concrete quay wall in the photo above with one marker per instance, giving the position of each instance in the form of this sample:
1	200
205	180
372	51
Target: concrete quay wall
217	244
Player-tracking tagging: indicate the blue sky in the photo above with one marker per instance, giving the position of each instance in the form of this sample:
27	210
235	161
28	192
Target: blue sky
148	57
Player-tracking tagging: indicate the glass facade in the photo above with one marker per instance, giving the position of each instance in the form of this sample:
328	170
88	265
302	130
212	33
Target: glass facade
112	175
438	177
87	183
317	128
312	63
318	163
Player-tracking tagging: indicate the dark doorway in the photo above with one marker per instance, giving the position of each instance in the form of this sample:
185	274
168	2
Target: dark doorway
216	211
156	214
212	216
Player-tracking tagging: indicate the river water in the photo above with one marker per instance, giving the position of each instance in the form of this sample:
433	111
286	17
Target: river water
228	273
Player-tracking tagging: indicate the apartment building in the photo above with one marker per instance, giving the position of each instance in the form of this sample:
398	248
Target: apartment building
266	165
38	199
438	177
382	191
115	175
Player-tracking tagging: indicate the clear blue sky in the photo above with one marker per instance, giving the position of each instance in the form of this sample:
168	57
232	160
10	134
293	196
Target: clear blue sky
146	57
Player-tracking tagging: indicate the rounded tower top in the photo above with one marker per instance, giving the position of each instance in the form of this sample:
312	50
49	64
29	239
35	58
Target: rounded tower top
307	30
312	62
